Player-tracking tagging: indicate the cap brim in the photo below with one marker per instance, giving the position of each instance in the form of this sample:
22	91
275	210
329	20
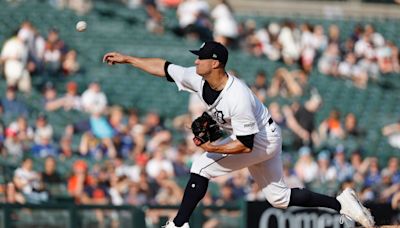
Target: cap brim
196	52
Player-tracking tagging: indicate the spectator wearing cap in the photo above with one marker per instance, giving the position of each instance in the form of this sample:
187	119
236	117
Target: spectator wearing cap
44	147
12	145
24	132
306	168
343	168
13	107
326	172
70	100
79	179
49	100
386	188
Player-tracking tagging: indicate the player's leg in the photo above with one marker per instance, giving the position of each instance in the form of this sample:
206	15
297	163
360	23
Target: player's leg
207	166
269	176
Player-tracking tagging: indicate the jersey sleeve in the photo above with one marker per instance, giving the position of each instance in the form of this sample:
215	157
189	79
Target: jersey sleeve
243	118
185	77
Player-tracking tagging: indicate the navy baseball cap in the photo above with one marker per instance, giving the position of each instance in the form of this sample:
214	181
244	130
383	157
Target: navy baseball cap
212	50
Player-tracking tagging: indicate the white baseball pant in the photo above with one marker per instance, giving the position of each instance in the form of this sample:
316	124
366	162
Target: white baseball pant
264	164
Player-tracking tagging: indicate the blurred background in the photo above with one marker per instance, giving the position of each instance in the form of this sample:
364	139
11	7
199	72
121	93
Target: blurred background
83	144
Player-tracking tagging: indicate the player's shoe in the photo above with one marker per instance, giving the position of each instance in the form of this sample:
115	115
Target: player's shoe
171	224
353	209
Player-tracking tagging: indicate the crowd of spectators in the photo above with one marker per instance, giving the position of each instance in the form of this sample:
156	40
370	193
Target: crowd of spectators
122	157
27	53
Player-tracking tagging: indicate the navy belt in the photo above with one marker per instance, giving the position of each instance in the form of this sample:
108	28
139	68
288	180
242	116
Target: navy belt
270	121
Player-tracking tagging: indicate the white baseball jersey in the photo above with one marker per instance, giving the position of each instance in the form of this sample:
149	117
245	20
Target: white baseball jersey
238	111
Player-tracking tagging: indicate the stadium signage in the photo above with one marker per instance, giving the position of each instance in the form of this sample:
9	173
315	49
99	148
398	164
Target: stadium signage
264	216
293	218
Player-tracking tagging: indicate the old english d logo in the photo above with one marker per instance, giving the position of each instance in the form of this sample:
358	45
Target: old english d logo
220	117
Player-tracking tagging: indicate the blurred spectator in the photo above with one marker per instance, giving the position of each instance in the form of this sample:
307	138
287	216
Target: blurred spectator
305	167
351	127
277	115
169	193
307	49
320	40
349	69
155	17
158	163
331	128
329	60
80	6
95	148
29	183
343	168
94	100
393	169
70	63
79	180
23	132
14	58
325	181
137	131
260	86
267	38
392	132
50	174
359	167
50	101
290	41
12	106
288	83
190	14
42	128
13	145
54	52
372	176
225	26
66	151
44	146
71	100
179	163
300	119
386	188
290	177
36	53
326	172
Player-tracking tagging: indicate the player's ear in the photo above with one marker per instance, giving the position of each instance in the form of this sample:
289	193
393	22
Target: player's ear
216	64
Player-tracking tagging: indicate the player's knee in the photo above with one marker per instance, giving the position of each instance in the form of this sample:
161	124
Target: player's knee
278	202
199	169
278	198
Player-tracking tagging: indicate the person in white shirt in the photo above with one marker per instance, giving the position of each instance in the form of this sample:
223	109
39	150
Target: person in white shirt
255	140
94	101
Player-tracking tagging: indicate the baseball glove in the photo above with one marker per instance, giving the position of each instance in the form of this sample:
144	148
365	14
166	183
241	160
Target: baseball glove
205	129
